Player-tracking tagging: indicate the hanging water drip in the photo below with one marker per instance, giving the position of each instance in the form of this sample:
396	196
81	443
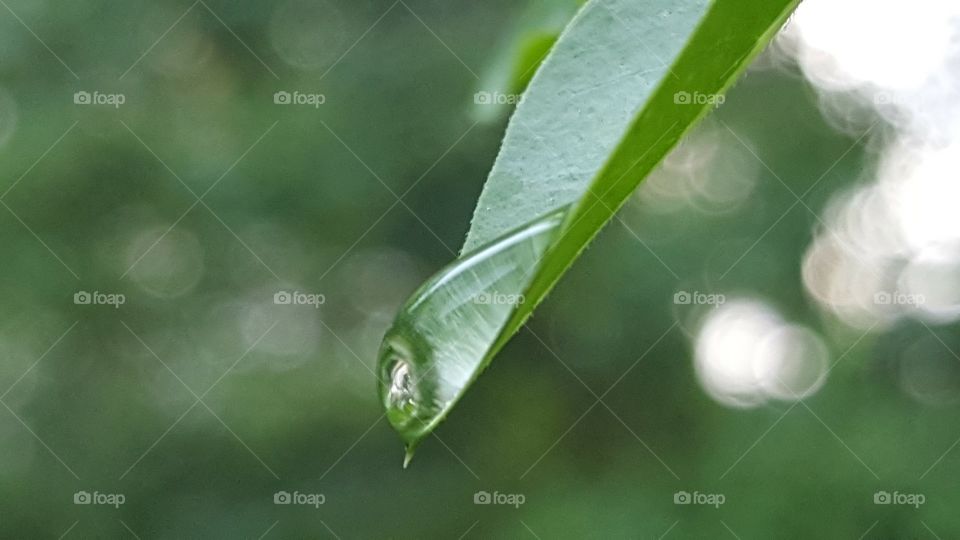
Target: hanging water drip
441	339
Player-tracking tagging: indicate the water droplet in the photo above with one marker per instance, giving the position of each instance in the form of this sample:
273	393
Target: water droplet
440	339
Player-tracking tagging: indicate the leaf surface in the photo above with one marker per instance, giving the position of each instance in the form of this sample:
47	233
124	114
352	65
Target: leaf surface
621	86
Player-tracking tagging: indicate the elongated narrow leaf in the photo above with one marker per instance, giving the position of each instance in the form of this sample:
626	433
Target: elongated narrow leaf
624	82
578	106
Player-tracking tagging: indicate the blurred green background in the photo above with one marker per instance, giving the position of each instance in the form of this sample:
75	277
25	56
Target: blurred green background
200	398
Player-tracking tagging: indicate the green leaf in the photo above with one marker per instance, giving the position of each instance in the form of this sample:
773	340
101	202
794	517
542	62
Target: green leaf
621	86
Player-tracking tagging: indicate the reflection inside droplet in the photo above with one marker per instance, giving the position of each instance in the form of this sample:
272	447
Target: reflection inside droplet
401	385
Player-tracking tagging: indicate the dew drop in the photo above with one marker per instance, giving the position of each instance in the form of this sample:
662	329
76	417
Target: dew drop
441	338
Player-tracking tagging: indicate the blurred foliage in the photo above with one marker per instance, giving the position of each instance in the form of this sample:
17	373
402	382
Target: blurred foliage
313	206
